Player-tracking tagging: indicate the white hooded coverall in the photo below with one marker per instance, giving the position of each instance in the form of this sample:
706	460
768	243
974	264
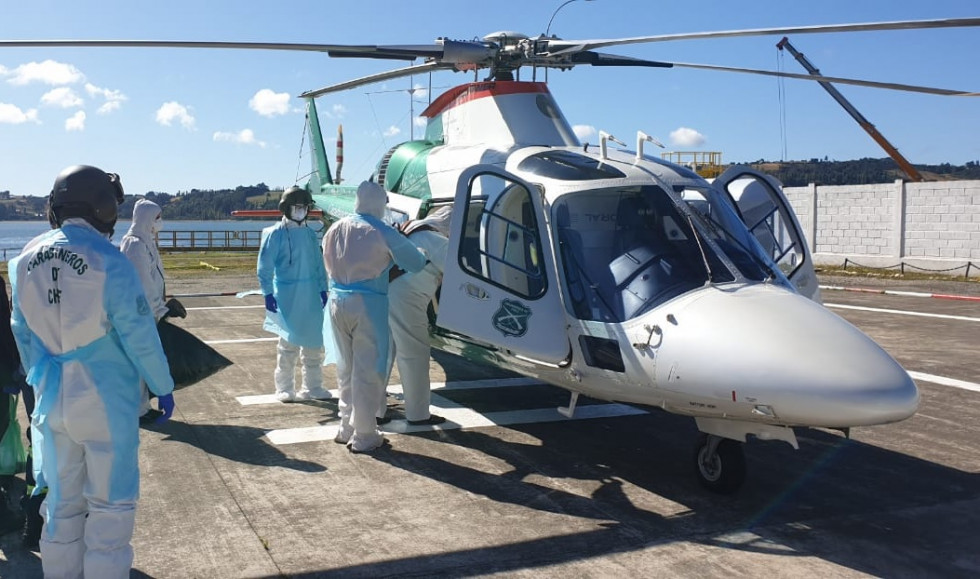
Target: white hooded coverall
358	252
86	335
139	245
409	295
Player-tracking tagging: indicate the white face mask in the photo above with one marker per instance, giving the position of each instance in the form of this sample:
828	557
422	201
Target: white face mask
298	212
157	225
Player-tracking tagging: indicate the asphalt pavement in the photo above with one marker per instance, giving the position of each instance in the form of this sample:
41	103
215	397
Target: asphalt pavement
238	485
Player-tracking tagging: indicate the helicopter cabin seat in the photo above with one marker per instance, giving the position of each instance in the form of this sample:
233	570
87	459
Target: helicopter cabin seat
652	262
642	261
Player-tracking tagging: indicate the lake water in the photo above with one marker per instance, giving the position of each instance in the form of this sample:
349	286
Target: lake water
14	235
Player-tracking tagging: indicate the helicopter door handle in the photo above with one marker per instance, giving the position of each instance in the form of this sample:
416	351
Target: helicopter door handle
475	291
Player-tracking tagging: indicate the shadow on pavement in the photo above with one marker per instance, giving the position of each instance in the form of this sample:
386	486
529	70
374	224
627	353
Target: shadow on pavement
243	444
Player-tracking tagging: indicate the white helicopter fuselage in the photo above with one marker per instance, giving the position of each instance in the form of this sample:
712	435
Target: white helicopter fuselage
669	321
744	357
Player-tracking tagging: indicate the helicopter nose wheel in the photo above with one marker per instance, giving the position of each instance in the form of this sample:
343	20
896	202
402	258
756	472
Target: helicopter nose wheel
720	463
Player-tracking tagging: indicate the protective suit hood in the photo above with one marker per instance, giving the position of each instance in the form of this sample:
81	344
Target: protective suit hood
371	200
145	214
438	221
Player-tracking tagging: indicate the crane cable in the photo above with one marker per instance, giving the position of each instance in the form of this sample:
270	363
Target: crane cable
781	84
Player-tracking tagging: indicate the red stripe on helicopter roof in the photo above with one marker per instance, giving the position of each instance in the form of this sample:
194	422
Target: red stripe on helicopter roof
478	90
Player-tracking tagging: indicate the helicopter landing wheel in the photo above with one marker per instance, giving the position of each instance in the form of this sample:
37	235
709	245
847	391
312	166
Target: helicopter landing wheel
720	464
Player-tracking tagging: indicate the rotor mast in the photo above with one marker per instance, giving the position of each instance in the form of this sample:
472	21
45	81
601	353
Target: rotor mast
903	163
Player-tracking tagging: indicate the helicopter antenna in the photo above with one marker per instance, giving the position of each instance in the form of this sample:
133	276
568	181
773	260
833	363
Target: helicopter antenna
547	32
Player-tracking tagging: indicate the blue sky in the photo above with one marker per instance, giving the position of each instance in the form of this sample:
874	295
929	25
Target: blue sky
170	120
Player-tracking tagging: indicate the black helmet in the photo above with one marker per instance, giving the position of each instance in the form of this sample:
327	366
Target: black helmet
86	192
294	196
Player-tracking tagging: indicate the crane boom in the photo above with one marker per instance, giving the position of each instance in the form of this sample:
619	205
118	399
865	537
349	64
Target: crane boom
903	163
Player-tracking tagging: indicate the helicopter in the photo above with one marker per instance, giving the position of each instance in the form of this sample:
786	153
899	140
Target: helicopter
609	272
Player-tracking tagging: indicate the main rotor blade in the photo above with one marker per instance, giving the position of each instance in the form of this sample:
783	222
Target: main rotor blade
601	59
836	79
397	73
184	44
557	47
391	52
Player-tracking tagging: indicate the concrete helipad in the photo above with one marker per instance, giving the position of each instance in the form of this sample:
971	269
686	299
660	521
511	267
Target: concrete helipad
239	485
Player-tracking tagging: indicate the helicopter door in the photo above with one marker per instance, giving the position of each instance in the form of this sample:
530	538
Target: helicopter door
499	284
768	215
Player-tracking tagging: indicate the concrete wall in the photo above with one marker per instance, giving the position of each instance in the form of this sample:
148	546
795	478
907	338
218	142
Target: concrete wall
929	226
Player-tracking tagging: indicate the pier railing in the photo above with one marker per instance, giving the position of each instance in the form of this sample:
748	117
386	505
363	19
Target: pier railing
186	241
209	240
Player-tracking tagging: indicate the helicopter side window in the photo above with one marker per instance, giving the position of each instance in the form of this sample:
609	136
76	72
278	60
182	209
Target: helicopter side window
500	242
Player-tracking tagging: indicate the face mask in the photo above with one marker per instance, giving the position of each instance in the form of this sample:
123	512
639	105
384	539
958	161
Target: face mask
157	225
298	213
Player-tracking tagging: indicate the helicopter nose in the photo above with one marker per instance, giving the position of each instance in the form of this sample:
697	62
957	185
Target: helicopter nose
785	354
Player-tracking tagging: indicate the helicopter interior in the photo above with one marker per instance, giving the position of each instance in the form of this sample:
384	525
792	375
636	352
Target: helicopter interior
625	251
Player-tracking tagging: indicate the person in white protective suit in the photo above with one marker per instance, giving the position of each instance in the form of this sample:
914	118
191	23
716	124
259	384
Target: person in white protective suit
358	251
139	245
86	336
409	295
294	282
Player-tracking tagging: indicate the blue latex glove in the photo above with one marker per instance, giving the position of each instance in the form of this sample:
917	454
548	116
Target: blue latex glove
323	299
16	382
270	303
166	404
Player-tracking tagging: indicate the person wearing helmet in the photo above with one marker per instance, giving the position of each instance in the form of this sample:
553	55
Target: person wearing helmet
408	316
358	252
86	336
139	245
294	282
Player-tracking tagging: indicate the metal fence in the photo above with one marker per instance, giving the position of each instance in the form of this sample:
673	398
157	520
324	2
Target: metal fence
209	240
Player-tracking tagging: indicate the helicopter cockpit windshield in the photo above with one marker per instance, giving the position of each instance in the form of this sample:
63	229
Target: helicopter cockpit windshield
627	249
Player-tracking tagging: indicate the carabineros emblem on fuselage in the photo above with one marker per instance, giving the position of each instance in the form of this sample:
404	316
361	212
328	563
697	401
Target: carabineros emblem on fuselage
511	318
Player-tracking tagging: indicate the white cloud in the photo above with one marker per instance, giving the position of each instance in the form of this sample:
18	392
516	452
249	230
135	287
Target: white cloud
269	104
62	97
420	121
13	115
419	92
392	131
113	98
173	110
108	107
583	131
47	72
242	137
336	112
76	122
685	137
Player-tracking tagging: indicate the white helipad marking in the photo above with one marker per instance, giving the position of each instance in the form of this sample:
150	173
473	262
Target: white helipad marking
226	307
945	381
456	415
296	435
903	312
241	341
